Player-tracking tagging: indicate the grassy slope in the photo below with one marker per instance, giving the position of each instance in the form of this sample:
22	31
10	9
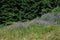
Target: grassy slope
33	32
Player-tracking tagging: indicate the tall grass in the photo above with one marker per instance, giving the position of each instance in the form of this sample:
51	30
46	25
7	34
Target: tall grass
33	32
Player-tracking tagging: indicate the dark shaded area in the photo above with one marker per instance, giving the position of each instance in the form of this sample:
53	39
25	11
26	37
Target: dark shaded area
22	10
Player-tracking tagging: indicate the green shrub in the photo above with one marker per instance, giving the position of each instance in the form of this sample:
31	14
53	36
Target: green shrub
22	10
56	10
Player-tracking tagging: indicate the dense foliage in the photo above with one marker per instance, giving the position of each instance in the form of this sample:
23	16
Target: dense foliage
21	10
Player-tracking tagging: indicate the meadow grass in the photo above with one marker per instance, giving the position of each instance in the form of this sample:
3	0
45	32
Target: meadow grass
33	32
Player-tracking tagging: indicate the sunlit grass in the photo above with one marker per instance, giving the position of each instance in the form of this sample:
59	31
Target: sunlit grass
33	32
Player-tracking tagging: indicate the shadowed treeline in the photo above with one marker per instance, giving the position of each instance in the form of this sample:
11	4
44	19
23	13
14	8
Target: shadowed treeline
23	10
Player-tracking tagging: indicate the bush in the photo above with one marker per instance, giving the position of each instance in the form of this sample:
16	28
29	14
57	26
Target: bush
56	10
22	10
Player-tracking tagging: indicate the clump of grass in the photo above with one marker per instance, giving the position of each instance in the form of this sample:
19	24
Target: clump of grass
51	17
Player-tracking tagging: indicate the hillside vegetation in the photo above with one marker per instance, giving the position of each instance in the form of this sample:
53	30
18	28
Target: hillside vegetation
29	19
23	10
33	32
